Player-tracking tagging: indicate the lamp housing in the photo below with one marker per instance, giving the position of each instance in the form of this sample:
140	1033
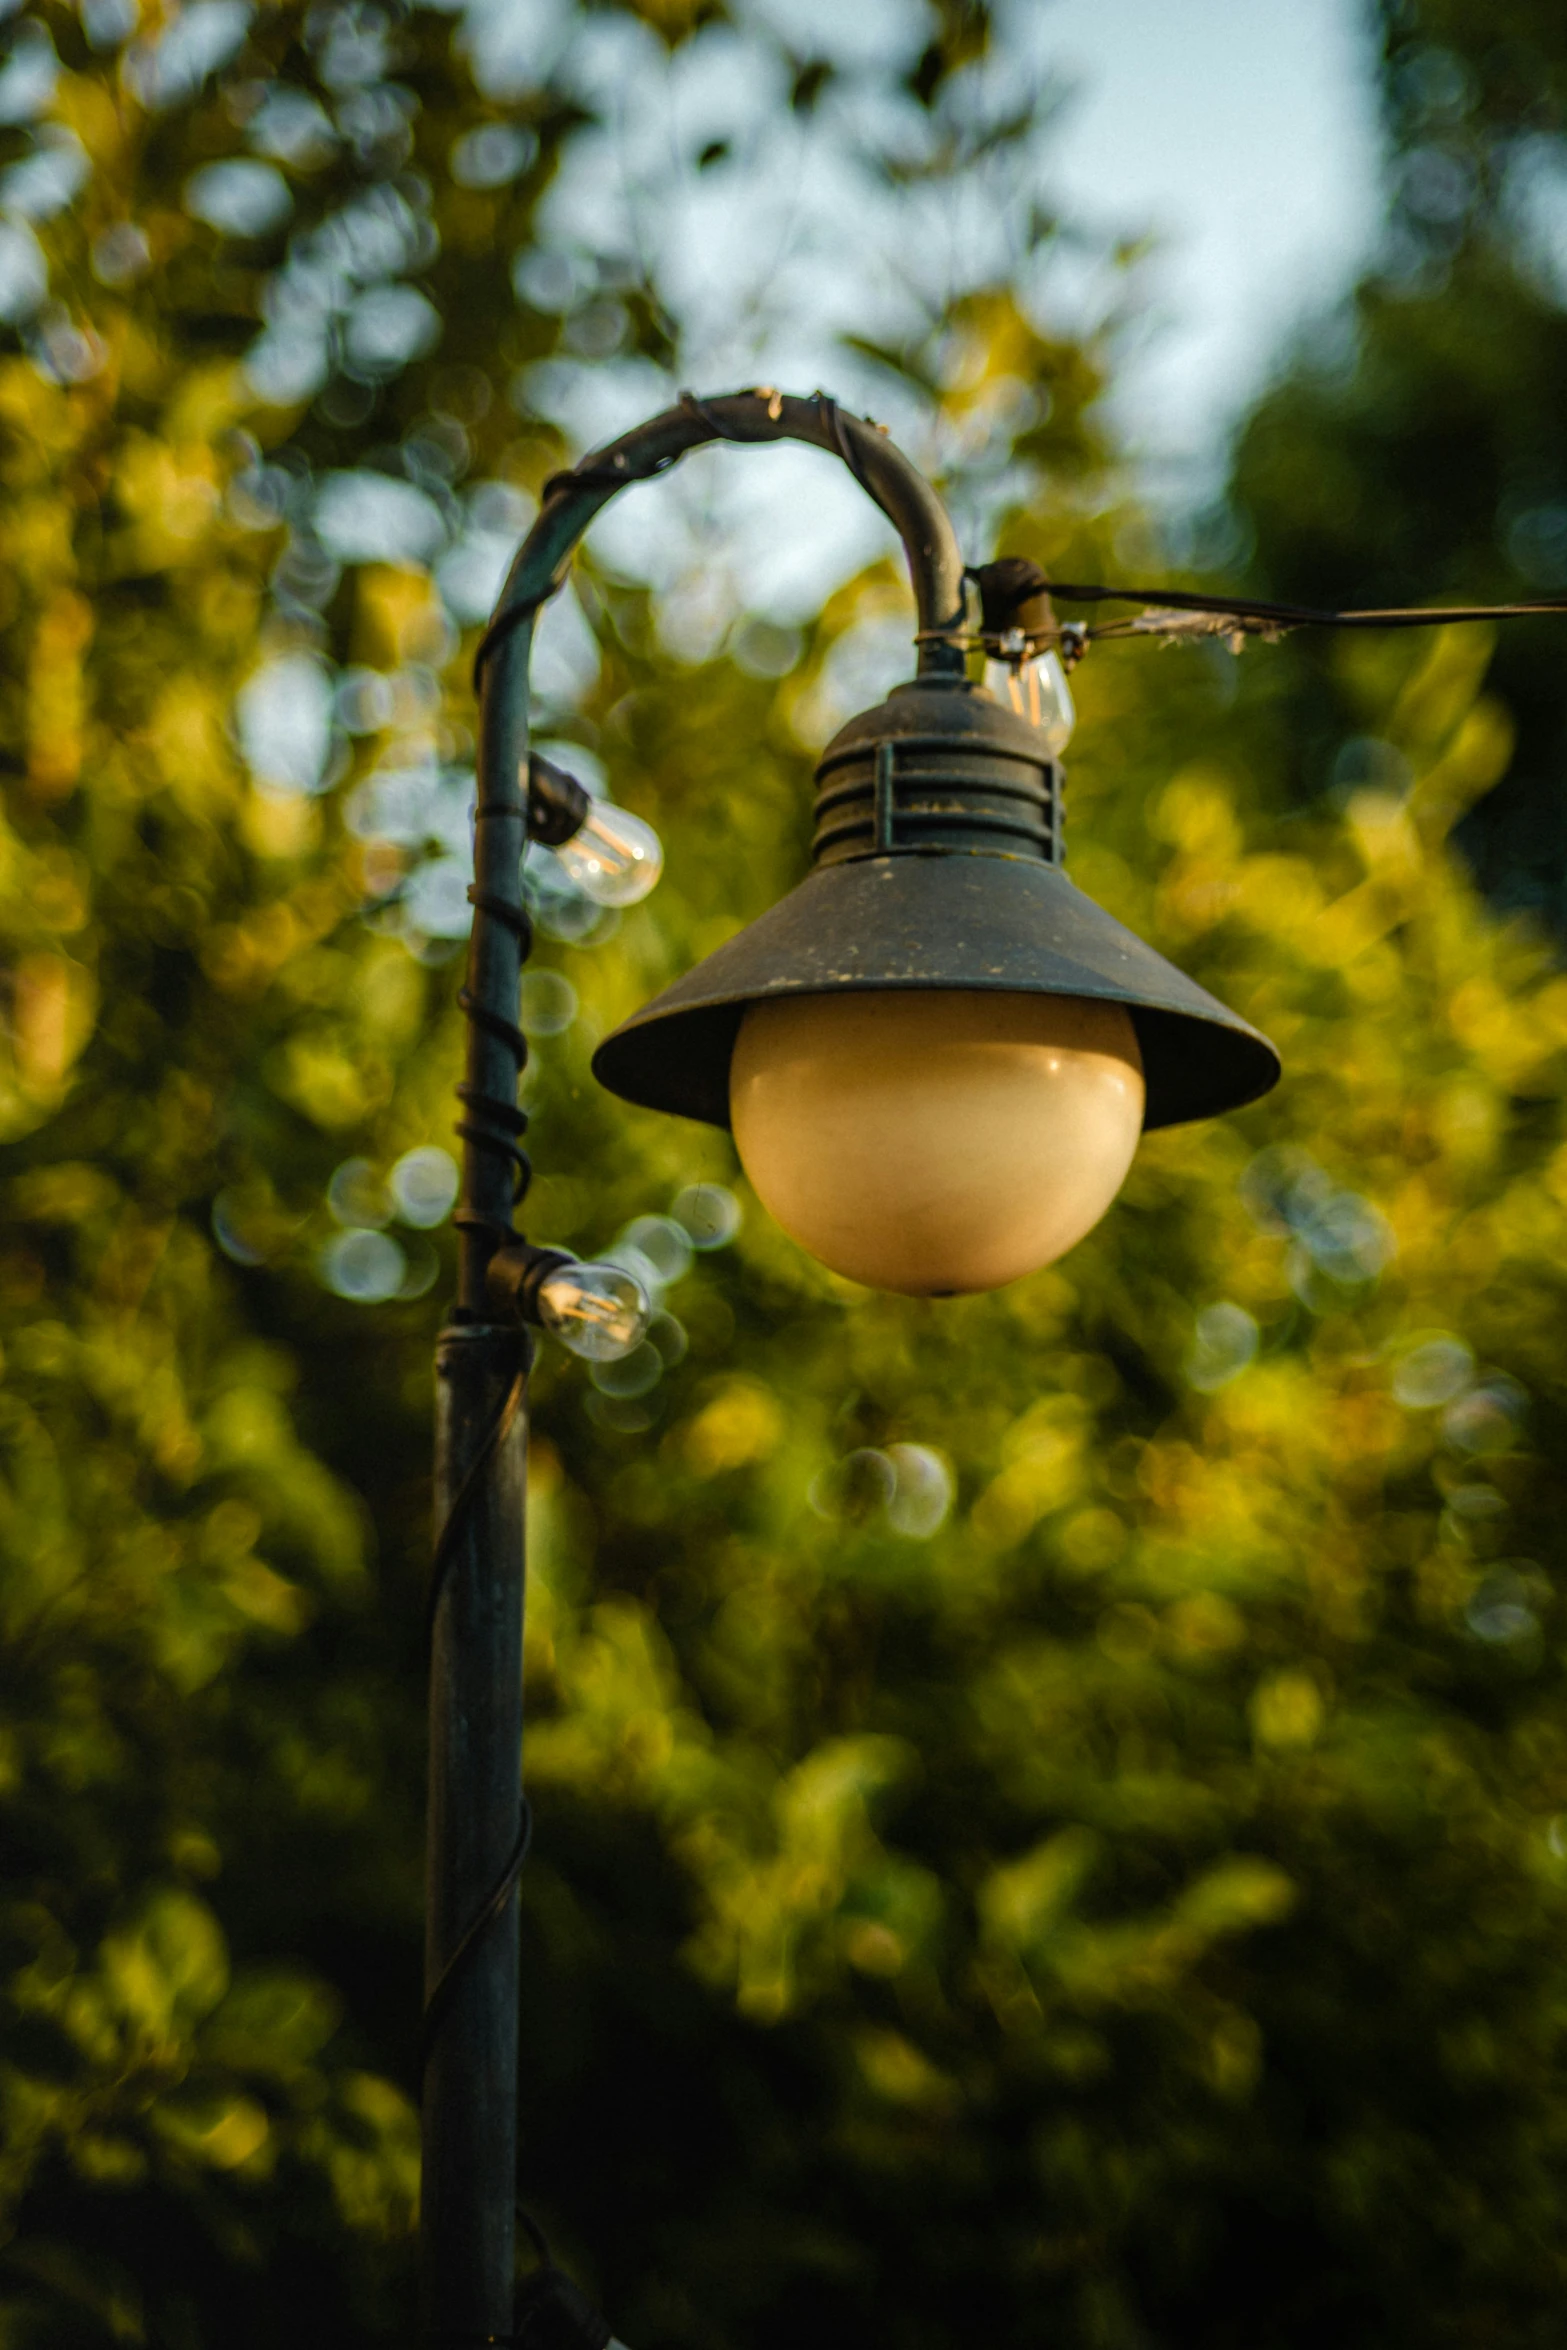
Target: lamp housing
938	878
938	864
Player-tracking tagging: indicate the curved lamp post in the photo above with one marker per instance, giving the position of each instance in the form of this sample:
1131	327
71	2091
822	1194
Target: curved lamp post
936	1056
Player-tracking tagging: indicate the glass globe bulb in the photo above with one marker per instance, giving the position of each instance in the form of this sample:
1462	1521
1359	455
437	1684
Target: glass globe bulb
613	857
936	1142
597	1311
1038	691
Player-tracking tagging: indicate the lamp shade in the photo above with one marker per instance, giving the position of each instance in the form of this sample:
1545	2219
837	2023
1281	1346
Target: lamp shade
938	840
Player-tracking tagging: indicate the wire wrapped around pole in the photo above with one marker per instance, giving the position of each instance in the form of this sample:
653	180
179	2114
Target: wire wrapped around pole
478	1824
493	1122
759	414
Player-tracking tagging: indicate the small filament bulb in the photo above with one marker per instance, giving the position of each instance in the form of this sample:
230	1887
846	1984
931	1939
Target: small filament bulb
1036	688
613	857
597	1311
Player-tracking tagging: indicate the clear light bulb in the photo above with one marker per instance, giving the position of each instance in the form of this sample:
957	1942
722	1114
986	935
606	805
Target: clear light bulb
599	1311
936	1142
1038	691
614	858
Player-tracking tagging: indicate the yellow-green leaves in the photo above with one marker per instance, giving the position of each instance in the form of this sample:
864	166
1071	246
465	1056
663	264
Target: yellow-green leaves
164	1974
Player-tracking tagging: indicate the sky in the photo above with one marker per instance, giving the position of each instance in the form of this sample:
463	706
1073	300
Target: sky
1239	136
1243	134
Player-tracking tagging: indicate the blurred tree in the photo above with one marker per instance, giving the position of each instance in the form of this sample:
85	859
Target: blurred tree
1415	450
1051	1807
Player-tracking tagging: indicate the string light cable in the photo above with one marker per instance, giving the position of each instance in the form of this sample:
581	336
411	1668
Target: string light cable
1018	620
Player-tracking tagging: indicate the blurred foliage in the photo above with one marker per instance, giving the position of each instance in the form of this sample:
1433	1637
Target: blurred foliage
1052	1808
1415	451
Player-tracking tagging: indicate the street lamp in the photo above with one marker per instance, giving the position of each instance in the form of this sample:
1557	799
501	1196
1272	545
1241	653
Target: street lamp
936	1056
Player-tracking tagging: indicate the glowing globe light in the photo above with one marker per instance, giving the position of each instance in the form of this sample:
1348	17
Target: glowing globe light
933	1141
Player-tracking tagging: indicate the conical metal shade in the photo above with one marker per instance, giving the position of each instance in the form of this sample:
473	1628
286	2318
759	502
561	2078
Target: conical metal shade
908	921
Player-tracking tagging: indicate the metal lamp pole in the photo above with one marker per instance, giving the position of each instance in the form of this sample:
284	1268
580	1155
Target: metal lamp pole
937	867
477	1823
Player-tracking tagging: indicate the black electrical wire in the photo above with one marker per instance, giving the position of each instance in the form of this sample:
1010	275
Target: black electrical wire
695	406
493	1907
550	2310
1289	615
535	2235
620	470
489	1913
833	417
462	1501
616	474
490	1122
496	1125
500	628
1017	615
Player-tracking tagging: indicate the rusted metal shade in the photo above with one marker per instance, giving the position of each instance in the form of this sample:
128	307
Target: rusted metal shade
935	921
938	844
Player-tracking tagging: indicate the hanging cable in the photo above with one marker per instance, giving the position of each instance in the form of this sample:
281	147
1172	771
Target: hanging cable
1288	616
1017	617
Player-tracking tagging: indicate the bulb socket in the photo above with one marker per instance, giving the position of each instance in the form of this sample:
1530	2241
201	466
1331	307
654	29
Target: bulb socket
515	1275
1012	595
938	768
557	803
